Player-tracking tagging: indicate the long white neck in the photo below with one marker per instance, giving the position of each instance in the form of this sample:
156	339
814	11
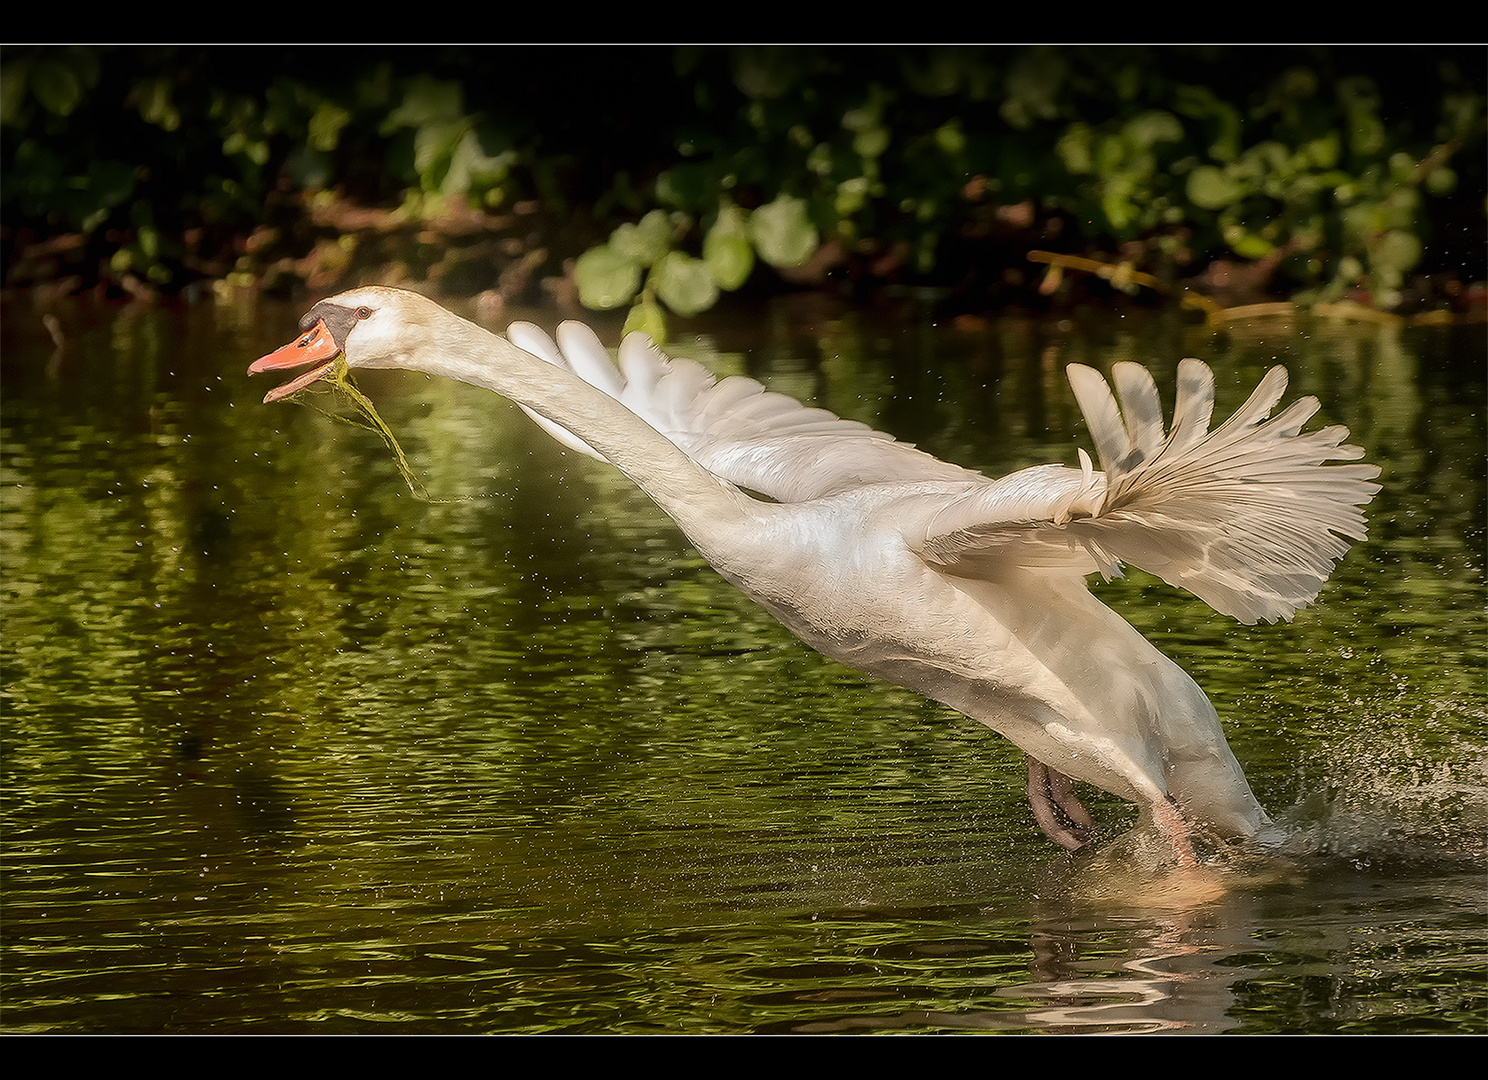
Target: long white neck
707	508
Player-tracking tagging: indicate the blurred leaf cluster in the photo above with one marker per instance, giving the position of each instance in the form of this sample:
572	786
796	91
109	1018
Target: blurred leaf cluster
677	174
166	165
883	163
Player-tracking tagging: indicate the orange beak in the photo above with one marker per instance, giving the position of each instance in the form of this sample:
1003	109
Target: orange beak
315	346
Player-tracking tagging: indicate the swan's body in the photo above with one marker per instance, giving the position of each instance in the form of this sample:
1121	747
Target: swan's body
968	590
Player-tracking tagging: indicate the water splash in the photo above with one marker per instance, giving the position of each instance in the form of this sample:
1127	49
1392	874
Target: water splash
1387	802
1390	801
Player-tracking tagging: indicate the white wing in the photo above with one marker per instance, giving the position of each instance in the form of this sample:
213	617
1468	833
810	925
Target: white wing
1248	517
735	428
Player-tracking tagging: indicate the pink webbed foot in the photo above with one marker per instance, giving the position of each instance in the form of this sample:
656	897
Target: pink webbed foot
1174	828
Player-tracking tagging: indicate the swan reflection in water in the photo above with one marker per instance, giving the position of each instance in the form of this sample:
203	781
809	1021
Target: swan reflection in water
969	590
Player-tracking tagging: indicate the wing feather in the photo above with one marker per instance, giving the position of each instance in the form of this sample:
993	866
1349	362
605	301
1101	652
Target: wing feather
1250	517
734	427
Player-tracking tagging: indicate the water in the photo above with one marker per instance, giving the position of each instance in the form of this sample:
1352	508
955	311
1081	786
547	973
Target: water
288	750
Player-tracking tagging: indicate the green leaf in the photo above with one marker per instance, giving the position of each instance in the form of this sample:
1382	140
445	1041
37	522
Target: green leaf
644	243
12	93
950	138
1075	148
472	169
155	104
871	142
783	233
1117	205
647	318
1246	244
428	101
1152	127
56	87
852	196
1323	153
727	250
149	241
1212	188
1395	252
326	125
1032	87
684	284
1199	103
1367	135
1441	180
606	278
432	146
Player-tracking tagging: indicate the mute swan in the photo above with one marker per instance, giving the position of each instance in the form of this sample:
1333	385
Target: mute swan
968	590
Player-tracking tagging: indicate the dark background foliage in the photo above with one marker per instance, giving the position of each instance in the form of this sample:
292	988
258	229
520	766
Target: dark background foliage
677	172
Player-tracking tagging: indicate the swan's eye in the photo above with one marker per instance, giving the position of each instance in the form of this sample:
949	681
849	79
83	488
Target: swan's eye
363	313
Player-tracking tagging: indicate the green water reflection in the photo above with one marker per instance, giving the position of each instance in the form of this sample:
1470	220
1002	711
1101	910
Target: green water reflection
287	749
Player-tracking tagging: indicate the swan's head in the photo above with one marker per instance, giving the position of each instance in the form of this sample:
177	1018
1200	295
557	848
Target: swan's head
375	327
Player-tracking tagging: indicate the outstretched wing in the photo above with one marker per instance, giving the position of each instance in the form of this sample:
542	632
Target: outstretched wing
1249	517
735	428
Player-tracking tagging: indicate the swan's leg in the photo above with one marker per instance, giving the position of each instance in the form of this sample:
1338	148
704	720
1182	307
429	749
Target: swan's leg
1055	807
1062	790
